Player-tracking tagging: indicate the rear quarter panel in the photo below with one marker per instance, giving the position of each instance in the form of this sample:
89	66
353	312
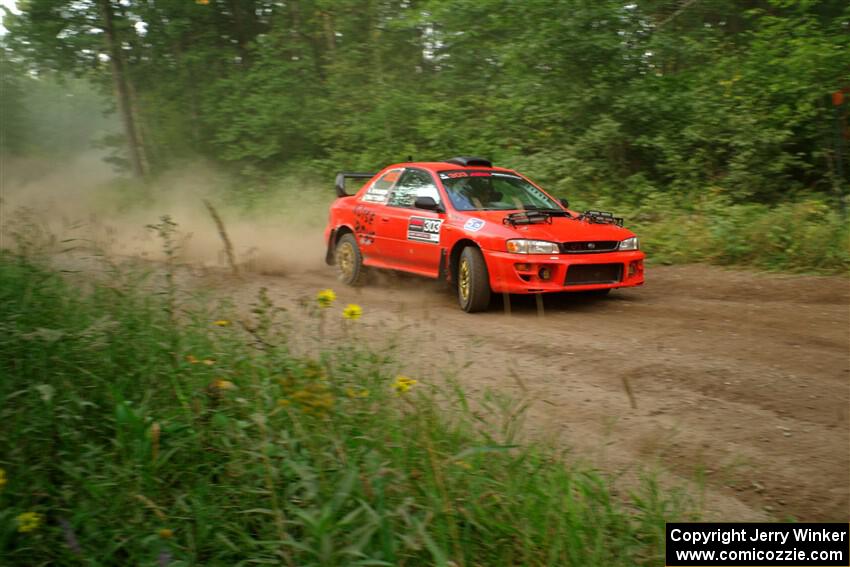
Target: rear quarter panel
342	212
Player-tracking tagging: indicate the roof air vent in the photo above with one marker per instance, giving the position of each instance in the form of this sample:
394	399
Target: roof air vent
470	161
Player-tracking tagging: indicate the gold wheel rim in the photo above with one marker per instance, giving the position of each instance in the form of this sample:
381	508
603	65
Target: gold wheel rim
345	259
465	280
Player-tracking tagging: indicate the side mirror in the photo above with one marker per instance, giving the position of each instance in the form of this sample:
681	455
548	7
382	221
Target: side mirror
565	203
427	203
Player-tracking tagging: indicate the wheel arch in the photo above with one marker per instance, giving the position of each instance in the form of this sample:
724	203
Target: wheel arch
333	238
454	255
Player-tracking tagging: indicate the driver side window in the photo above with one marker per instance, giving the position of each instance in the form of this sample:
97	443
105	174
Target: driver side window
413	183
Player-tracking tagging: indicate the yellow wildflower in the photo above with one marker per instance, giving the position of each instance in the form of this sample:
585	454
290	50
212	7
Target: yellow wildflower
191	359
314	371
166	533
325	298
2	478
314	399
224	384
221	323
352	312
324	401
301	395
28	522
352	393
208	361
402	384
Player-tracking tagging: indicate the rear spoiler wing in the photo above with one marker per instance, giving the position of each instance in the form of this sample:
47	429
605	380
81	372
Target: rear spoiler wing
343	175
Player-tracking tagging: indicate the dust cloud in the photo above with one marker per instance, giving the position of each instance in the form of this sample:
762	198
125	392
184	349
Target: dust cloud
83	205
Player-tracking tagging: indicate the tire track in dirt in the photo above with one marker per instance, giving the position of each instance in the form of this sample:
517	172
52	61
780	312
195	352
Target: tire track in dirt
741	379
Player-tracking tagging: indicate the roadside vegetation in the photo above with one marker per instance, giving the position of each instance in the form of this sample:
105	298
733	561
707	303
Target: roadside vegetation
145	425
805	236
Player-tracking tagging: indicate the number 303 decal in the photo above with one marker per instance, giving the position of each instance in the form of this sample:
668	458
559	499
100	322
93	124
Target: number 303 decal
424	229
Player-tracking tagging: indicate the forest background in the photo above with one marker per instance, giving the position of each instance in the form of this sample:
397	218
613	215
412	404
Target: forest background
719	127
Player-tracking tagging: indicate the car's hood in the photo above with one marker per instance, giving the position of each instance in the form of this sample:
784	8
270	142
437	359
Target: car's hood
561	229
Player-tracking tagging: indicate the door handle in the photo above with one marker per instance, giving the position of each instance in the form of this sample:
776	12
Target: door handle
385	219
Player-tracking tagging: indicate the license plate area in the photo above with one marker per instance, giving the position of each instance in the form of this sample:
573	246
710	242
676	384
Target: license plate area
585	274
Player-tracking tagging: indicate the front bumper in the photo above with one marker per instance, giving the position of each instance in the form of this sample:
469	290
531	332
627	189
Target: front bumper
544	273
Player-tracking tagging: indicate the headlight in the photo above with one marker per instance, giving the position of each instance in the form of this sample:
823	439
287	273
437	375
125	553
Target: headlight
522	246
630	244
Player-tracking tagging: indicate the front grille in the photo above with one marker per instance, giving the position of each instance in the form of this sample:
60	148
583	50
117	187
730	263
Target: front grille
590	247
581	274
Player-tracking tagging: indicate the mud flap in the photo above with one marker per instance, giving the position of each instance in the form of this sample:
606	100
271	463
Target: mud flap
329	255
442	271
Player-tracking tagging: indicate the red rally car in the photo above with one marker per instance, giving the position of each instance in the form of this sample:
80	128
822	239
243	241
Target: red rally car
485	229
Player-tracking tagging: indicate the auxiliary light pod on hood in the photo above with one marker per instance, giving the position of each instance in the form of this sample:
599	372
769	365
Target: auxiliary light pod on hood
600	217
545	216
527	217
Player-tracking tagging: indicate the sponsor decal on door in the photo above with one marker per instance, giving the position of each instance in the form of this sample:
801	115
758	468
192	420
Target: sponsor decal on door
424	229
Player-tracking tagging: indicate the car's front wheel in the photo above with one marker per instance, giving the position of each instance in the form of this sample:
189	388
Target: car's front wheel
473	281
349	260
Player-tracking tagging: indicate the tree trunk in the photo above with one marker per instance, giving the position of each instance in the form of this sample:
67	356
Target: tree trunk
239	29
142	133
122	91
330	33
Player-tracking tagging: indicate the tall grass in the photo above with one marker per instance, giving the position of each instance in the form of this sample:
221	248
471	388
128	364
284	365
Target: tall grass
142	428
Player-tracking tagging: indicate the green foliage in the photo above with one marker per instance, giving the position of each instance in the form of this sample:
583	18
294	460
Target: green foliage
141	437
13	130
49	116
720	93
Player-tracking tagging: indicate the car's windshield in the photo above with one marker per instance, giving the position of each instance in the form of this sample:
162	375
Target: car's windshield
493	191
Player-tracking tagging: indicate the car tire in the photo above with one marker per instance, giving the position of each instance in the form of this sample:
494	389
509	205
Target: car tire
349	261
473	281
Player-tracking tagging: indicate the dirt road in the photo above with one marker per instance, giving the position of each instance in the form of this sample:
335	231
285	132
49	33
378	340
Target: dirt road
739	379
